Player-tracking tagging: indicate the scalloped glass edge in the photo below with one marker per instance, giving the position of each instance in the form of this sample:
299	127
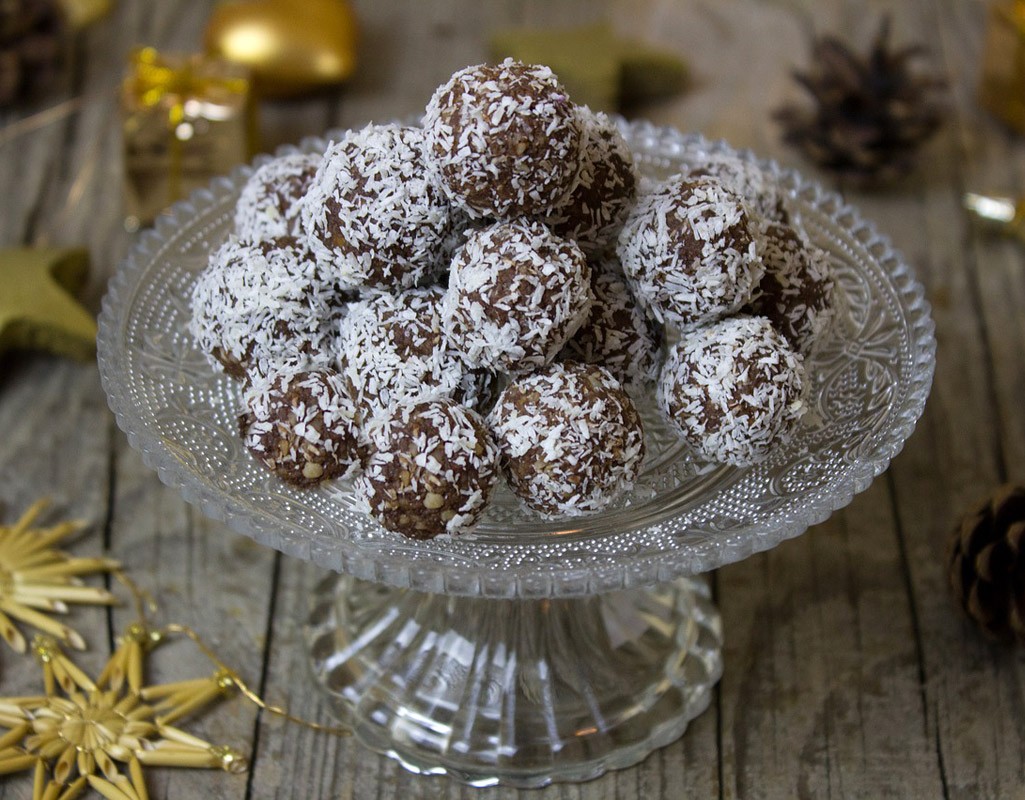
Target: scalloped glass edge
624	572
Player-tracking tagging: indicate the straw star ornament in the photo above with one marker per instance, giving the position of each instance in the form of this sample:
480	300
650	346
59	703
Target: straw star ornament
36	578
97	728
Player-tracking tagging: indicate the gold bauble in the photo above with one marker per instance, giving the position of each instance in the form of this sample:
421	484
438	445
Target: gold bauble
291	46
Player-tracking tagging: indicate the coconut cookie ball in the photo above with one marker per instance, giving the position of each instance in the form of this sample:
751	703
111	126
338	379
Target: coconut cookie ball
763	195
431	468
264	307
603	191
733	390
689	252
619	334
373	214
504	140
570	437
270	203
797	290
302	426
516	293
391	349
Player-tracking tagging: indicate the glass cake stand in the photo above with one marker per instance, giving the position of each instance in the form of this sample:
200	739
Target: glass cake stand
532	651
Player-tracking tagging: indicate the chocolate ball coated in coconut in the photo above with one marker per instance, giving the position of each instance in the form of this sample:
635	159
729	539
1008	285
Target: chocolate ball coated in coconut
762	194
797	291
302	426
689	252
431	468
372	212
619	334
503	140
270	203
603	190
571	439
264	307
391	349
733	389
516	293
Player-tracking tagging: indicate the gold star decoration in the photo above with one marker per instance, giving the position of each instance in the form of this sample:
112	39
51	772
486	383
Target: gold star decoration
91	727
37	307
36	578
598	67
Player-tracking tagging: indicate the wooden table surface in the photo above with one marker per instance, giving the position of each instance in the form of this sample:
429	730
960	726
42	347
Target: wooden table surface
848	672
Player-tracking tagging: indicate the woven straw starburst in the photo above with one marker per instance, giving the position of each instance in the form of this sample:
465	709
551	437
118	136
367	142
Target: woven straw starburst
36	578
91	727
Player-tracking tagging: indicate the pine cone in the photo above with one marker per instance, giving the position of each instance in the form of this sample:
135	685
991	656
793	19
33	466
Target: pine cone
871	112
31	43
986	564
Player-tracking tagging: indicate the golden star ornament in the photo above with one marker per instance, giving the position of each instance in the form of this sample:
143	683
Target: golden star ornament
37	308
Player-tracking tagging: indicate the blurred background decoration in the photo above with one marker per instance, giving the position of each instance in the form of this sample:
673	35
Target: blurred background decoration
598	67
870	114
1002	85
290	47
38	310
36	37
186	119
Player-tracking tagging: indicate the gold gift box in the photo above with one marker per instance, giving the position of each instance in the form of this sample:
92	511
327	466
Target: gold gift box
185	120
1002	87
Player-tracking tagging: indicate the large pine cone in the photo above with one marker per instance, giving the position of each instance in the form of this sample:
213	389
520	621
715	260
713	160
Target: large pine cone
870	114
986	564
31	44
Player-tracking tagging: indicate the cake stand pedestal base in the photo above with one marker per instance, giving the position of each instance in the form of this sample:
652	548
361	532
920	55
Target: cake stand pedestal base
515	692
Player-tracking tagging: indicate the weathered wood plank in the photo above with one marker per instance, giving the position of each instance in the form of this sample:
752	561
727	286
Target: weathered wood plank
973	689
59	432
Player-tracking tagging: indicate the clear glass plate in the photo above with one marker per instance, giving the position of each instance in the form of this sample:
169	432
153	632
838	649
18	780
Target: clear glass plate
870	383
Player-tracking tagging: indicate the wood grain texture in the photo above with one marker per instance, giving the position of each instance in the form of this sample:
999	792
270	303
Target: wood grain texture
848	672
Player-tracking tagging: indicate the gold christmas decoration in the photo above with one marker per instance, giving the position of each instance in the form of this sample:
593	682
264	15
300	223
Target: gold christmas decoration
871	113
1002	85
92	728
986	564
36	578
1005	215
37	308
598	67
185	119
291	48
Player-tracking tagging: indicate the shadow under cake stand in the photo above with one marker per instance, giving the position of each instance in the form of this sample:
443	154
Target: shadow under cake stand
531	651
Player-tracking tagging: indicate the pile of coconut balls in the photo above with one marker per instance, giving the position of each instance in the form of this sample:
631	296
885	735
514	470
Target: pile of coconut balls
429	308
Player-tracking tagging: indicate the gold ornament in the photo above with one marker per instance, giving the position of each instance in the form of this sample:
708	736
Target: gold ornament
36	578
37	309
185	119
90	727
1002	82
290	47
